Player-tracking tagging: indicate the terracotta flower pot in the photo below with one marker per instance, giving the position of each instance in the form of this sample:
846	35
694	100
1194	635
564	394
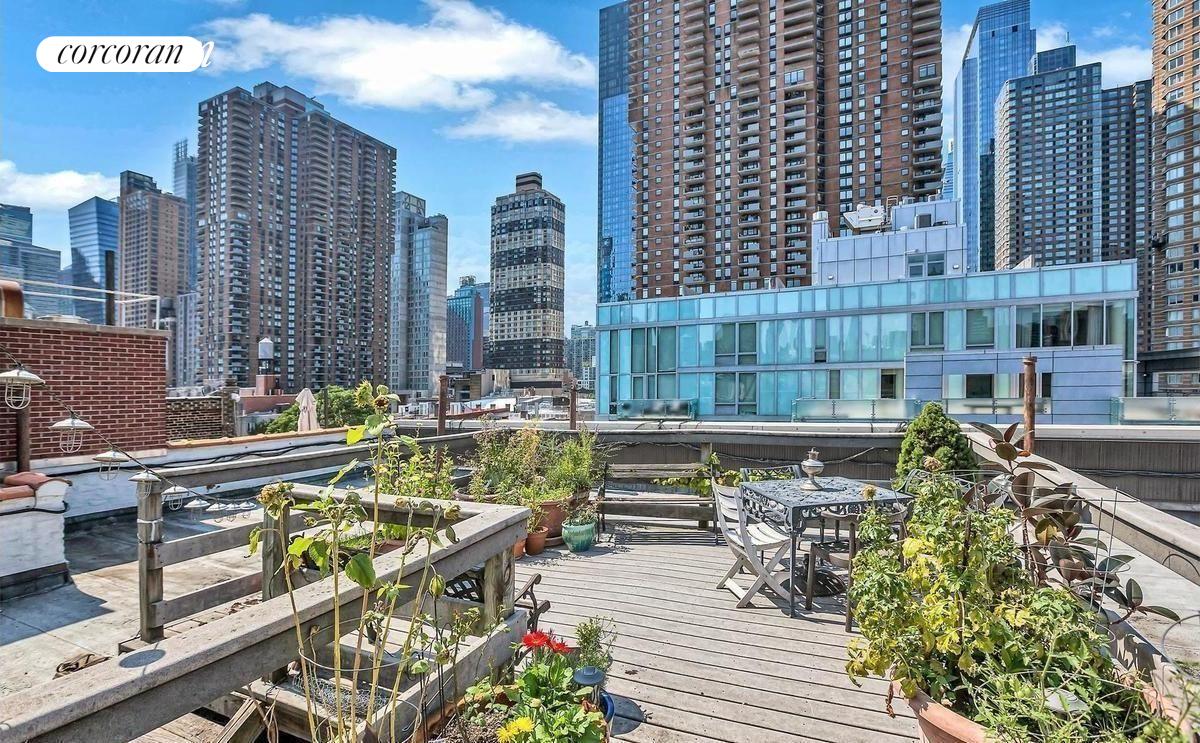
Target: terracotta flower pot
554	513
940	724
519	549
536	541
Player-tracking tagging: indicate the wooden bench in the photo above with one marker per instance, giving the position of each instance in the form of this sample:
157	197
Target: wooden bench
676	506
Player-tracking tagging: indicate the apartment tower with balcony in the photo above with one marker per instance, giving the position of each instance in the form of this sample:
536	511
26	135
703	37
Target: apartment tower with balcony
749	116
526	293
1171	310
295	232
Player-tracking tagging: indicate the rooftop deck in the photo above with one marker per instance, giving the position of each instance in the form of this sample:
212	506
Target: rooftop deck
690	667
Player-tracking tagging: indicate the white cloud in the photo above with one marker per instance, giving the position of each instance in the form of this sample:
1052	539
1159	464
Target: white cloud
1105	32
1119	65
447	63
55	191
524	119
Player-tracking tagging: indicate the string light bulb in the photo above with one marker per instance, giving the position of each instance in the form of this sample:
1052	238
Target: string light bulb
110	463
70	433
17	387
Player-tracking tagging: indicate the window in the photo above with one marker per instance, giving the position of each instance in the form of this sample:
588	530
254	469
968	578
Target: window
981	328
891	384
726	344
820	340
1029	327
1089	323
747	343
927	330
1056	325
979	386
926	71
927	264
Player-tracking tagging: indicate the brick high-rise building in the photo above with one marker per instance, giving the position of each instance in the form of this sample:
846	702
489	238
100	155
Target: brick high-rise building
1171	312
152	235
1071	165
750	116
295	232
528	238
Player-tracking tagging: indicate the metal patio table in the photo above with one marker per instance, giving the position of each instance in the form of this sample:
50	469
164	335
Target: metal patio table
789	505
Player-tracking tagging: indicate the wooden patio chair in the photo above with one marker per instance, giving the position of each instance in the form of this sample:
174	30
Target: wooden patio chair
757	548
840	552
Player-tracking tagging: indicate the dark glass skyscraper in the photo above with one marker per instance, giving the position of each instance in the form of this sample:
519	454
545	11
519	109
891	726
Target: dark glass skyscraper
1001	45
94	226
16	223
185	188
614	270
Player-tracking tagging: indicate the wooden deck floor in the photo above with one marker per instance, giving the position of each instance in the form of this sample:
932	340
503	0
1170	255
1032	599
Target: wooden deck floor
690	667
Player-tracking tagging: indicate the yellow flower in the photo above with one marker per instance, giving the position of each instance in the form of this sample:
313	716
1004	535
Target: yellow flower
515	728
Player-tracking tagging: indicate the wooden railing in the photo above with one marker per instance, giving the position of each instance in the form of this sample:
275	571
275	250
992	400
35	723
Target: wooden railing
139	691
155	554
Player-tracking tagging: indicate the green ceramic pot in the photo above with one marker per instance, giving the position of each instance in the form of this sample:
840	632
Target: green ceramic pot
579	538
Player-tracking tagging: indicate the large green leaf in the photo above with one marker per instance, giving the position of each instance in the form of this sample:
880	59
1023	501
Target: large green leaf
361	570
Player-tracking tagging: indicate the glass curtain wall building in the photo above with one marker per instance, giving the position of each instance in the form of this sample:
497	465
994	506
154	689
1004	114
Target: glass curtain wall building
94	227
878	350
614	269
1001	45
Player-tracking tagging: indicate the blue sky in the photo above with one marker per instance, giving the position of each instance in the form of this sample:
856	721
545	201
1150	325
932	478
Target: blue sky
469	93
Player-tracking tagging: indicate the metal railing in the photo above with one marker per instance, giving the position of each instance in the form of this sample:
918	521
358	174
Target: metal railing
804	410
658	409
1176	411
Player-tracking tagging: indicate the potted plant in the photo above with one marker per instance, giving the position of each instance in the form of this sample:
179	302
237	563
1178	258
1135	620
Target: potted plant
542	703
933	434
984	639
579	530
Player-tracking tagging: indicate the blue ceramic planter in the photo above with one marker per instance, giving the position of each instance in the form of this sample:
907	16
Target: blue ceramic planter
579	538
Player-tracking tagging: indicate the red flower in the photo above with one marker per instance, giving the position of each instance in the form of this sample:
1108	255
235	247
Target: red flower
559	646
535	640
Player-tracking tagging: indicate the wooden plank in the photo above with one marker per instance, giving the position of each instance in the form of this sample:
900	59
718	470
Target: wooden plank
245	726
199	545
658	509
188	604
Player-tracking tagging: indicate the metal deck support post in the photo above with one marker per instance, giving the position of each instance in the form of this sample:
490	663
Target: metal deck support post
1029	370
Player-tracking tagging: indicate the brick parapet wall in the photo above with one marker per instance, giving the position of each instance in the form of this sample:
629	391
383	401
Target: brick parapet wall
199	417
114	378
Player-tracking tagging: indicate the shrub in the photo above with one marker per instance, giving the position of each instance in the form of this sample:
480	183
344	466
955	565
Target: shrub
933	434
340	409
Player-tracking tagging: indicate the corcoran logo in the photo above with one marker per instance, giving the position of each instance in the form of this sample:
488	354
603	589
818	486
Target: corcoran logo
123	54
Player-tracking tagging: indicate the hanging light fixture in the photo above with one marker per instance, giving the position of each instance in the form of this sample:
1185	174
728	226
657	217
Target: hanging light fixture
17	383
175	493
70	433
110	463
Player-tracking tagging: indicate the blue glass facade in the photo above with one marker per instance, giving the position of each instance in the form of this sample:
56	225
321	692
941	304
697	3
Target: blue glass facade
93	234
614	270
16	224
960	338
1001	46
